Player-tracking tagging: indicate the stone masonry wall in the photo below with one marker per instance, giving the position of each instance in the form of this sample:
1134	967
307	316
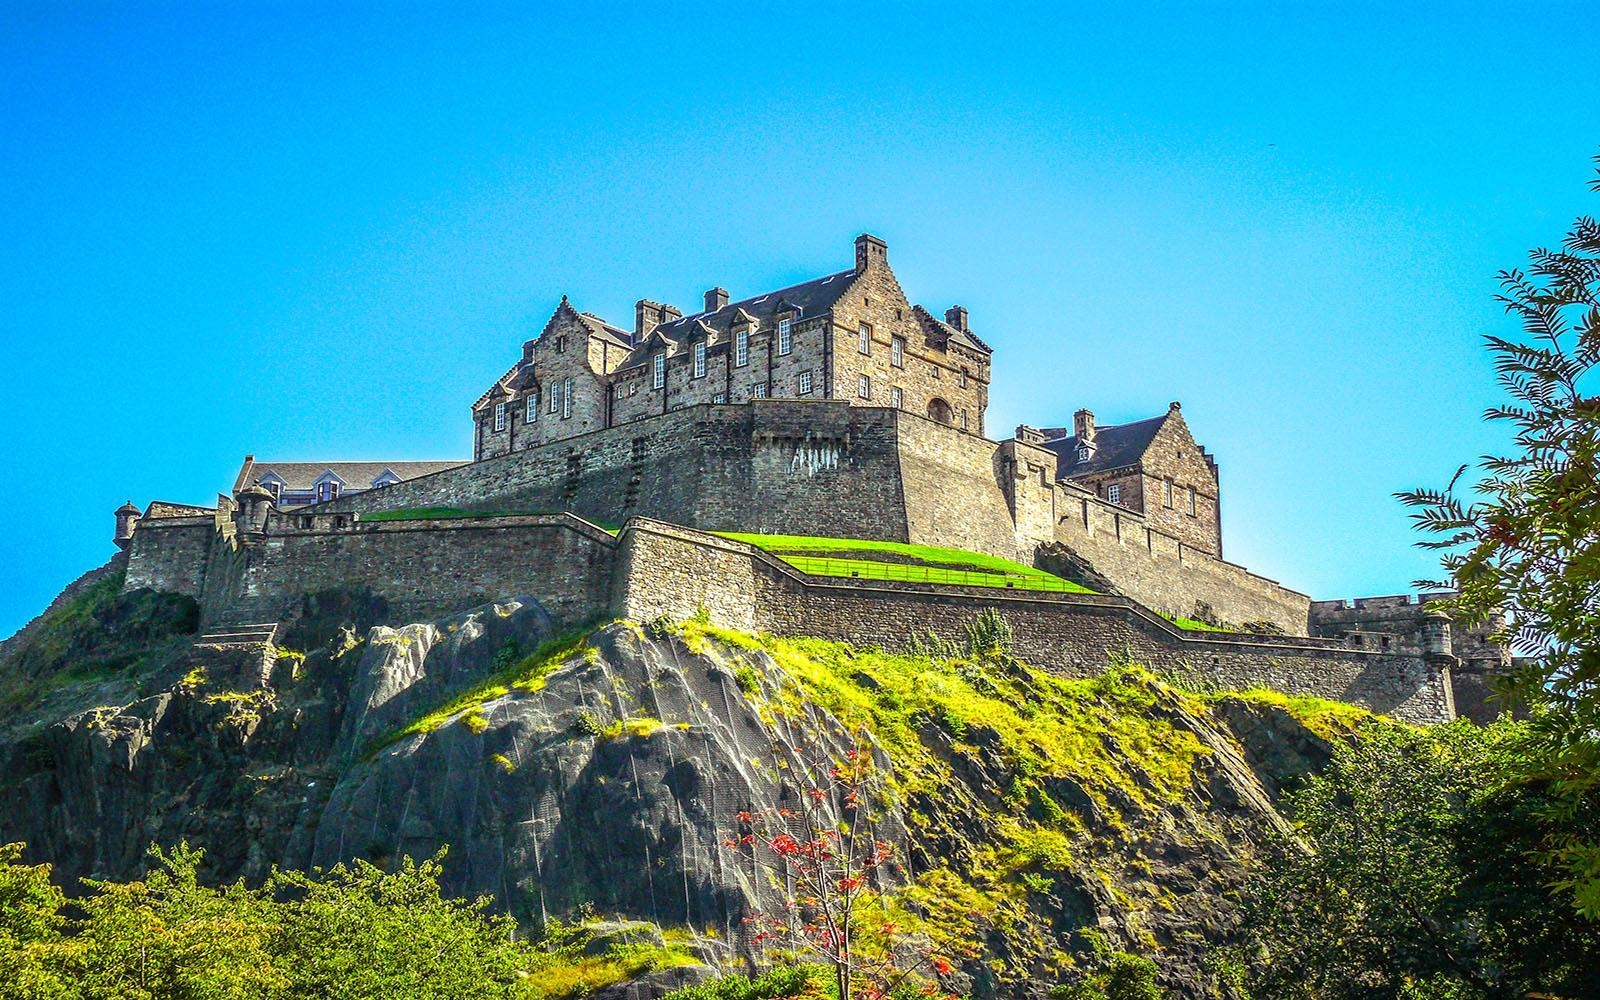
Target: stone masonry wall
433	567
1159	571
953	494
1075	634
171	554
780	466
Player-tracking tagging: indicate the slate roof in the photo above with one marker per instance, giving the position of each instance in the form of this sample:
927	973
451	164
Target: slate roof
356	475
811	298
605	331
1116	447
939	328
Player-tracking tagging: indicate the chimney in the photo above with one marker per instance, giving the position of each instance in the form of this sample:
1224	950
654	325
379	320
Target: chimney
871	252
956	316
648	315
1083	427
716	298
528	348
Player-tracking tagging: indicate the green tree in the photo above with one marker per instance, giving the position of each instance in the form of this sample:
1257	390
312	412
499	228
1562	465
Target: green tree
35	956
1530	543
1411	874
361	933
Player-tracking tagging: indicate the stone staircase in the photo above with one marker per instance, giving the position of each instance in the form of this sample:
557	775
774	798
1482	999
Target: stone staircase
237	649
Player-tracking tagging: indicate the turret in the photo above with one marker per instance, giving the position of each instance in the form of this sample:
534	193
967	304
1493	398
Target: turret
127	520
1436	644
255	503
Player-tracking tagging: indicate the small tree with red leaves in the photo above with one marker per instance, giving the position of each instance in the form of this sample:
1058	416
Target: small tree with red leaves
826	862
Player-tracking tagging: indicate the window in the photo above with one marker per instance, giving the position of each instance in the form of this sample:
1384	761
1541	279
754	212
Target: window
805	383
961	379
864	387
700	360
1114	493
633	387
275	488
1166	494
1084	453
566	399
865	332
561	345
897	352
963	419
759	392
741	348
897	398
555	396
785	336
720	397
533	408
499	416
621	393
329	490
1191	501
658	371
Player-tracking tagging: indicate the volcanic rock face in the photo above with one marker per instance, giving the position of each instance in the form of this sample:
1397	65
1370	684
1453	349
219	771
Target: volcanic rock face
605	771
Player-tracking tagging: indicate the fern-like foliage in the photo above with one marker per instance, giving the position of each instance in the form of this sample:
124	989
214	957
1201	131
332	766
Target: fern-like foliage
1528	545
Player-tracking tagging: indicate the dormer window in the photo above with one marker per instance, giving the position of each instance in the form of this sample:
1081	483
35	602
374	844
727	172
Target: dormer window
499	416
658	370
1114	493
700	360
272	486
1084	453
785	336
741	348
327	490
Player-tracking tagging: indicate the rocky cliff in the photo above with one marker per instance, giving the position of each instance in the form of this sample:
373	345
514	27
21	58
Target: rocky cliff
1035	818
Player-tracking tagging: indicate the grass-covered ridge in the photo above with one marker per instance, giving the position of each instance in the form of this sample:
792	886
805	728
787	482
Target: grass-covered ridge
876	560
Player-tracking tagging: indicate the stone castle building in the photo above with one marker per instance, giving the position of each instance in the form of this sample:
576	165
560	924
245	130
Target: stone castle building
606	459
852	335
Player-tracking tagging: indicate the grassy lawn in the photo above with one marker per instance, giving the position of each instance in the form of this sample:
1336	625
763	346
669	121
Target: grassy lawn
872	560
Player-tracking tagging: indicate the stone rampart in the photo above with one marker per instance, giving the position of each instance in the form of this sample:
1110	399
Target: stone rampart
1158	570
171	554
1074	634
778	466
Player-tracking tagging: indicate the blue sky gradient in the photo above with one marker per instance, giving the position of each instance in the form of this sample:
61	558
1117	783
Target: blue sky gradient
307	234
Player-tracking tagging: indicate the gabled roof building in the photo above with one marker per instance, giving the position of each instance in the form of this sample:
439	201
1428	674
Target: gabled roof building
851	335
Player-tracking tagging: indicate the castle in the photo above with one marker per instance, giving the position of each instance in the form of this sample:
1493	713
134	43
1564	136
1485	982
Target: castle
835	407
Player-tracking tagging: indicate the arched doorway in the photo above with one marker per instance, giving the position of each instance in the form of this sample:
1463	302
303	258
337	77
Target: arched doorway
939	410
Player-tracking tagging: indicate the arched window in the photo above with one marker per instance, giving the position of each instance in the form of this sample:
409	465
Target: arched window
939	411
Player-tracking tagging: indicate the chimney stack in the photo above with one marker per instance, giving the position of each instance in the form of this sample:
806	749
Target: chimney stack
870	252
956	316
1083	428
648	315
716	298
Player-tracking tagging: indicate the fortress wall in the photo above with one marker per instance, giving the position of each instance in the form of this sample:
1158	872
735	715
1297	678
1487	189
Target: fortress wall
432	568
1074	634
779	466
1159	571
664	570
953	495
171	554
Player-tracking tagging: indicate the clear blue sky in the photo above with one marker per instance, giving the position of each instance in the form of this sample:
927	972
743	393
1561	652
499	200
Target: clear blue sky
274	228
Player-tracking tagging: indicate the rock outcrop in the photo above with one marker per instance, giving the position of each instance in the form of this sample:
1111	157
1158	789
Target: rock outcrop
603	771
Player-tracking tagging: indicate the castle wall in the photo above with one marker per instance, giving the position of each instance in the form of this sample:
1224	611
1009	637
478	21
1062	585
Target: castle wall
1073	634
778	466
1161	572
171	554
953	493
430	568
